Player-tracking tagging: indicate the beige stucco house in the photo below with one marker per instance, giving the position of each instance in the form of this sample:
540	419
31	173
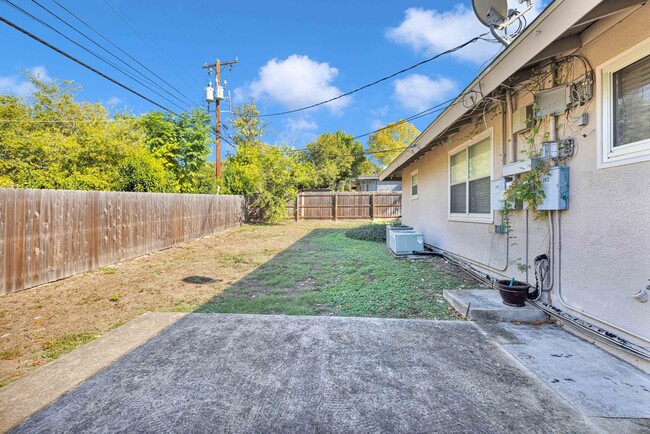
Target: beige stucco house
576	85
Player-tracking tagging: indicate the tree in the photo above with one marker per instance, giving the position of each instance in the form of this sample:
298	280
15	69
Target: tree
142	172
272	175
248	127
389	142
338	160
54	141
182	142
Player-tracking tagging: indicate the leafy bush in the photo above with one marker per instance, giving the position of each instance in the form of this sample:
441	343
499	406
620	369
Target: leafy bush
373	232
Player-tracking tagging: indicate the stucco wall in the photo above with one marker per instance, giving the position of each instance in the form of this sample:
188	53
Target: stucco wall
605	234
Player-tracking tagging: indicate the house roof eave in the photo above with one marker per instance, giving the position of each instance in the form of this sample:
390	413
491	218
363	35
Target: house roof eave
549	26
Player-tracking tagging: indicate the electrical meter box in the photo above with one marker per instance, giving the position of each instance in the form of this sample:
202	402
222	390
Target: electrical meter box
497	194
556	189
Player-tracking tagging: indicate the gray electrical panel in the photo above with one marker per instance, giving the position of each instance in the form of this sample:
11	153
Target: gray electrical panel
522	119
556	189
497	194
552	101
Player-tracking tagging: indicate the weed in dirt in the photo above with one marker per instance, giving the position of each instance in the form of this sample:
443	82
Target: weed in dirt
115	298
10	353
66	343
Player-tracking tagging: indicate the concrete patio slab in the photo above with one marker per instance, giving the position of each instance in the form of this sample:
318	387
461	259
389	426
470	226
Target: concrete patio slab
252	373
32	393
486	305
595	382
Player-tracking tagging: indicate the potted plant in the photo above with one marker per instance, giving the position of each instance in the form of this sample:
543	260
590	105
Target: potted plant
513	292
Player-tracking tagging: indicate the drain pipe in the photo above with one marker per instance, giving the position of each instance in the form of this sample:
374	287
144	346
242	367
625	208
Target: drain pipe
553	132
512	155
527	244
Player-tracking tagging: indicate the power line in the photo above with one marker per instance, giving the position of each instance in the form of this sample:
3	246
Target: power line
122	51
173	22
208	14
110	53
419	115
388	77
120	13
108	62
71	121
85	65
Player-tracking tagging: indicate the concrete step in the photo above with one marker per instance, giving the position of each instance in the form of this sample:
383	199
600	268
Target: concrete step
486	305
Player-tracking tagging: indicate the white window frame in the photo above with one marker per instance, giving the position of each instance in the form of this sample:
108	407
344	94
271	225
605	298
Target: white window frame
467	216
414	196
636	152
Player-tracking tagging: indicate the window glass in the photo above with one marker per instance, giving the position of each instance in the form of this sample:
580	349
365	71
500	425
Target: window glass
458	167
458	199
632	103
479	196
479	159
470	171
414	184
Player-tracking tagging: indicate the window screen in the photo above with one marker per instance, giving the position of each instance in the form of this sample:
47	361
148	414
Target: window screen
632	103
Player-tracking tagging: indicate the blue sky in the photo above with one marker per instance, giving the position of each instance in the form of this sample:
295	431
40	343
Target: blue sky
291	54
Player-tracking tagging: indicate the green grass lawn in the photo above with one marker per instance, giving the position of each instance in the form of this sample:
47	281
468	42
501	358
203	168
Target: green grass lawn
327	273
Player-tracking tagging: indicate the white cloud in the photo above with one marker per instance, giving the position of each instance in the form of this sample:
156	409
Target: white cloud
19	85
298	131
376	124
295	82
299	125
418	92
113	101
429	31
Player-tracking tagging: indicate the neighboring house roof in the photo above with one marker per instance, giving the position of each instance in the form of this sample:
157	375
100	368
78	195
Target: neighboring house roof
563	26
363	178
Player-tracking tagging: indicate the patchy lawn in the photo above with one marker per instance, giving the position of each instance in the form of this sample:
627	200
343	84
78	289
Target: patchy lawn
306	268
327	273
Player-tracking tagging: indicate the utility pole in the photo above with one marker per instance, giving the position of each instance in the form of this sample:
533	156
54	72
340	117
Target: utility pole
218	97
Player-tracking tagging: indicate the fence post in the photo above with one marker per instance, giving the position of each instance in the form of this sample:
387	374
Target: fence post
372	207
298	207
336	206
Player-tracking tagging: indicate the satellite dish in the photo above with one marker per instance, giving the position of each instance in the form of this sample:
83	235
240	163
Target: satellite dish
490	12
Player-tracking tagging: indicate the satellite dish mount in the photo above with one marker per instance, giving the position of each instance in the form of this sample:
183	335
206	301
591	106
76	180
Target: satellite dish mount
496	15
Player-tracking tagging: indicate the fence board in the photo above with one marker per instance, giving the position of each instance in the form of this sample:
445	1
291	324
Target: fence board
46	235
345	206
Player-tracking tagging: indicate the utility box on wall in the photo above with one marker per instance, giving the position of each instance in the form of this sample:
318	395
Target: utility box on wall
497	194
556	189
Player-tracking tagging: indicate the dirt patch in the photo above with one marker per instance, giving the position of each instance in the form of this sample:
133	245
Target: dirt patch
467	282
39	324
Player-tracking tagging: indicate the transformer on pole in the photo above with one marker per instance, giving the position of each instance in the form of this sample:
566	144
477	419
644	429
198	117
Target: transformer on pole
216	95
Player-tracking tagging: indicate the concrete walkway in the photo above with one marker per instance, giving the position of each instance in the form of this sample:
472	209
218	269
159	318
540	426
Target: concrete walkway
250	373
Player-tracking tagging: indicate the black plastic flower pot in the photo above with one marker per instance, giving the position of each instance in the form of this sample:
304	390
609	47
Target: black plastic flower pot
515	294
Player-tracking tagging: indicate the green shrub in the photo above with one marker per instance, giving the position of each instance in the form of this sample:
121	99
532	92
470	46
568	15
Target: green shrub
373	232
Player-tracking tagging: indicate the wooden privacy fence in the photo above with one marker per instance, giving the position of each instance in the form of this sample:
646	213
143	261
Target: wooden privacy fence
46	235
346	206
